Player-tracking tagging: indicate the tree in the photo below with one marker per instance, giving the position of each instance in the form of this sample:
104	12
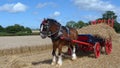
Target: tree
109	15
71	23
28	30
18	28
10	29
77	25
117	27
80	24
1	29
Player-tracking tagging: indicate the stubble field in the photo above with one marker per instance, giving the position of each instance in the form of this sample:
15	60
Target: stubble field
42	58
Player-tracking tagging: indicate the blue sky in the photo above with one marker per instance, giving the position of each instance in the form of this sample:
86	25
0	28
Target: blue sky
30	13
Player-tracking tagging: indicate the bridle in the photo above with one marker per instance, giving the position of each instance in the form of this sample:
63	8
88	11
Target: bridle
44	28
47	32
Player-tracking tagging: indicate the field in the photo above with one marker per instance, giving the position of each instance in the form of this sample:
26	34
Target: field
42	58
20	44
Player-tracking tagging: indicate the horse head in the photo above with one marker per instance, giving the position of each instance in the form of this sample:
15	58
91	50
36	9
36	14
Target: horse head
49	27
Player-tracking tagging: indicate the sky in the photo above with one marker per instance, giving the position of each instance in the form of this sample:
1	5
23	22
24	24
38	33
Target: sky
30	13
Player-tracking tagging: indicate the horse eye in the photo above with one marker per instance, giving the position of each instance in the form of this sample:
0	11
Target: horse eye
44	28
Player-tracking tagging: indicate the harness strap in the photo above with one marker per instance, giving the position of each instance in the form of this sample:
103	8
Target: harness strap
68	31
59	33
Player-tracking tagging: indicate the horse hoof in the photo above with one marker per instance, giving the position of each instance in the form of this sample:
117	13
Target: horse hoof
58	65
74	58
53	63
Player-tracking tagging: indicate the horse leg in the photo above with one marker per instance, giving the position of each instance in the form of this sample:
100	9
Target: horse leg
70	48
59	56
74	57
54	55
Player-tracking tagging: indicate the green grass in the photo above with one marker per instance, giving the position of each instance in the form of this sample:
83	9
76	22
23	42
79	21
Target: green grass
5	34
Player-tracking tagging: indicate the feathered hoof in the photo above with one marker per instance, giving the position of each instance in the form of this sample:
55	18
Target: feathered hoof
58	65
74	58
53	63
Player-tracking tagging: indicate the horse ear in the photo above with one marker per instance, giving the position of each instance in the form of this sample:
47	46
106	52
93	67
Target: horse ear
44	19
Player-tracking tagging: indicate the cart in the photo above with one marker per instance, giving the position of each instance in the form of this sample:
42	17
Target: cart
88	42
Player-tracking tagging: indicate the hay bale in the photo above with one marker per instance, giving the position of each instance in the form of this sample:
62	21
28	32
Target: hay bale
101	30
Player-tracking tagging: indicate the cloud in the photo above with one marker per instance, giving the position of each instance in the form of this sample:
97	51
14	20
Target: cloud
55	14
13	8
41	5
98	5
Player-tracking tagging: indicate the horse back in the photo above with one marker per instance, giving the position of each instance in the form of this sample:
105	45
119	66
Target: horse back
70	32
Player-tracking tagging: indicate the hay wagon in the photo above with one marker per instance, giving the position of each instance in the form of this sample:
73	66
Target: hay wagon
87	42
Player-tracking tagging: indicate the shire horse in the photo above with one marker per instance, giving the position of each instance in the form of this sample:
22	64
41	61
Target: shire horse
54	30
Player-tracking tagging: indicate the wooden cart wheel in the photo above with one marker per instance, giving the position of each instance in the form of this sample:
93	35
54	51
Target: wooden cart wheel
108	46
97	49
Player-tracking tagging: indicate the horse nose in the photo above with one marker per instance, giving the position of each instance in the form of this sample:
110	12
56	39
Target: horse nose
42	36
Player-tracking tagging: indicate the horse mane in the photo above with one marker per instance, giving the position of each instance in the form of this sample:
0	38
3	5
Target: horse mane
53	21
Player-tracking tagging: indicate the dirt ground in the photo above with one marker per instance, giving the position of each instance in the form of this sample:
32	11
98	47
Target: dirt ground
43	59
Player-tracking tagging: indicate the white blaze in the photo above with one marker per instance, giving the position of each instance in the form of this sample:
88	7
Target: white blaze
41	28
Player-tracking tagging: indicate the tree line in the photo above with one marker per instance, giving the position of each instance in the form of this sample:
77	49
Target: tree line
106	16
15	30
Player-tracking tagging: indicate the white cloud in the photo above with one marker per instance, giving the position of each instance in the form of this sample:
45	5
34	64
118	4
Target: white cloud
98	5
41	5
55	14
13	8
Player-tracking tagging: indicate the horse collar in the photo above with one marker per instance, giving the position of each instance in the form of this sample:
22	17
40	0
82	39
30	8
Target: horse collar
59	34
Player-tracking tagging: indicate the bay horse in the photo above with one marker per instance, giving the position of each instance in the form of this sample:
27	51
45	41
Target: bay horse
54	30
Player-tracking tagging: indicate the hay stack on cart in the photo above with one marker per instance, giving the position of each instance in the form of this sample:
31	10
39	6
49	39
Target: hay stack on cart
101	30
